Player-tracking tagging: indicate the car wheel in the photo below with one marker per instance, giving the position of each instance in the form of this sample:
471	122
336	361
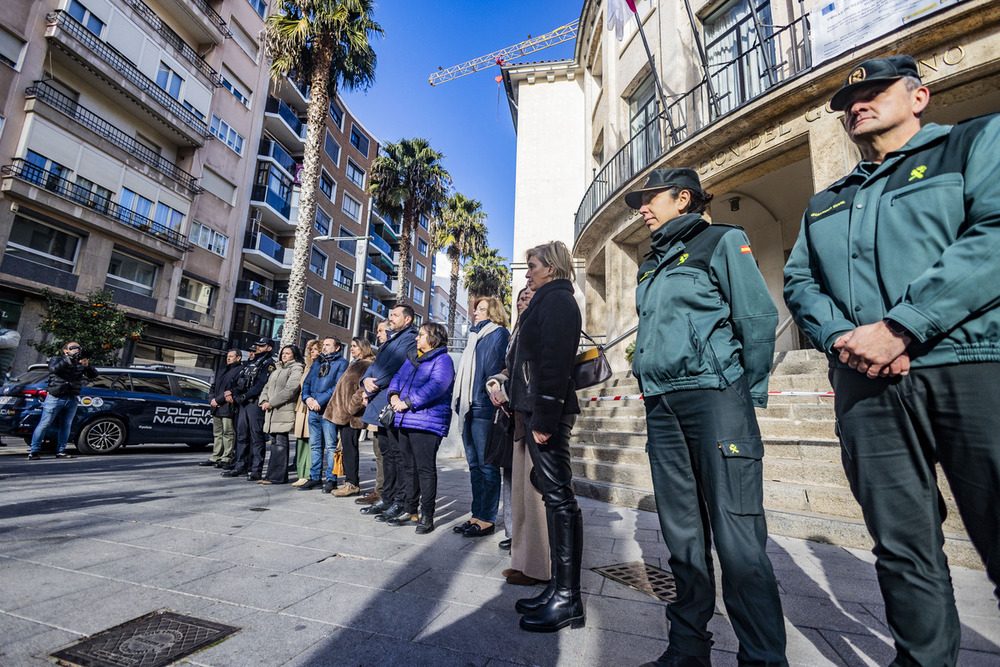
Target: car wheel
102	436
83	447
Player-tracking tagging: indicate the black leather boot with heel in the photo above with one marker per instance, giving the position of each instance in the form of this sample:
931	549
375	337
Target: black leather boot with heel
564	606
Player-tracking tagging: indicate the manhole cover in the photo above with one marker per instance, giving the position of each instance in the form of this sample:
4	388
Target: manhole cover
642	577
153	640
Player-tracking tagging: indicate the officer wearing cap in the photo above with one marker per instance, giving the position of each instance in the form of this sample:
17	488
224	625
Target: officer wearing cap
250	445
894	276
702	357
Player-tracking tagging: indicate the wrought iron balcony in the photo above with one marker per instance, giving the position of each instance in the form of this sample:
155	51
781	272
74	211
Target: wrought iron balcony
175	40
77	194
213	16
254	291
92	121
262	193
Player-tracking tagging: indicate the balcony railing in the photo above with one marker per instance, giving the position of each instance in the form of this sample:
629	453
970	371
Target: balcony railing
53	182
381	244
126	69
784	54
377	274
266	245
376	306
254	291
274	105
344	283
175	40
262	193
274	150
92	121
214	17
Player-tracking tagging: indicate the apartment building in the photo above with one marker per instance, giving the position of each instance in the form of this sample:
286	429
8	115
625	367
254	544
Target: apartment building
127	136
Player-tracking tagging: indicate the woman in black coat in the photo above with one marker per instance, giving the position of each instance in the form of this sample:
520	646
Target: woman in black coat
542	389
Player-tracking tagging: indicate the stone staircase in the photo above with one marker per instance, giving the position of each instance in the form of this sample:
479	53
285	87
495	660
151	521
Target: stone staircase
806	494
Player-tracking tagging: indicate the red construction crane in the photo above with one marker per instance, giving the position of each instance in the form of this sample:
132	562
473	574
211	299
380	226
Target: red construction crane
504	56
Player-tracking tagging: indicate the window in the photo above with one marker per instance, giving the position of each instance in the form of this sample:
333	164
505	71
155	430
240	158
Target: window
168	80
340	315
259	6
421	271
84	16
209	239
734	53
196	295
133	208
322	221
418	296
352	208
131	274
314	302
356	175
326	185
337	114
343	278
317	262
238	90
229	136
349	246
10	48
243	38
418	320
151	384
197	112
41	244
332	148
170	218
43	171
425	223
359	140
91	195
191	388
645	137
422	247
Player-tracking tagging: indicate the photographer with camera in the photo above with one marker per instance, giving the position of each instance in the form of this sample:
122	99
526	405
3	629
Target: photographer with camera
67	373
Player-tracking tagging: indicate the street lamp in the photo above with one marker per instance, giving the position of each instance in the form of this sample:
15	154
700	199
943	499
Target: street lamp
360	269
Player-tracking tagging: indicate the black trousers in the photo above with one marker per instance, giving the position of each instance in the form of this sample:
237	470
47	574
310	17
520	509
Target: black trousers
250	445
418	450
892	432
552	466
277	462
705	453
349	449
393	480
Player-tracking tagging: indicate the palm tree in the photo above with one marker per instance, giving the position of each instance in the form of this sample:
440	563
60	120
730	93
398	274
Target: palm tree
461	232
324	43
487	274
408	181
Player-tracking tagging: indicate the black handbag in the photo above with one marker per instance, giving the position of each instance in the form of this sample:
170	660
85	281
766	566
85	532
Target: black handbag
591	366
500	441
387	417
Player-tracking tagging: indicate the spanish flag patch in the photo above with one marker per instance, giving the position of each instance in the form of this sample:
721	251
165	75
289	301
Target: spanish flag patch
744	249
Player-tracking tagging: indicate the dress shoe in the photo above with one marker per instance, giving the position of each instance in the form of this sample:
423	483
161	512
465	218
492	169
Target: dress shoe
475	530
329	485
461	527
222	464
674	658
311	484
347	489
402	519
254	477
234	472
268	482
206	464
377	507
509	571
390	512
505	544
425	524
367	500
521	579
300	482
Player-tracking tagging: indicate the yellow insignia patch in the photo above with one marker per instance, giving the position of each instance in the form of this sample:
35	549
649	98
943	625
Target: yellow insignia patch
683	258
857	76
733	449
918	173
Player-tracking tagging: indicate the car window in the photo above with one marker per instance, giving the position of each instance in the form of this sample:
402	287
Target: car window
32	376
106	381
192	388
151	384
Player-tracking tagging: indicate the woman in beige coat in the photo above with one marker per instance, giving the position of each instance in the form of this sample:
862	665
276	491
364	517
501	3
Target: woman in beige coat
277	400
303	455
345	409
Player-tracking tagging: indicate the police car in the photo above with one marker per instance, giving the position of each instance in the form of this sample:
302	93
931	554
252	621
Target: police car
121	406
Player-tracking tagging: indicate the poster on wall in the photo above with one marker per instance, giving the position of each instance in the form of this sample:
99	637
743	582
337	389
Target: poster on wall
842	25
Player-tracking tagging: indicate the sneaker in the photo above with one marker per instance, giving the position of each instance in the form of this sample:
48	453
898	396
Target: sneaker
347	489
63	455
329	485
34	457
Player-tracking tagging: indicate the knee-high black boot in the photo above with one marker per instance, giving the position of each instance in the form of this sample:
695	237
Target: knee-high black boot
528	605
564	607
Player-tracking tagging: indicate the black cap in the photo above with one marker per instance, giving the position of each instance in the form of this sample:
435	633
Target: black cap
892	68
263	342
661	179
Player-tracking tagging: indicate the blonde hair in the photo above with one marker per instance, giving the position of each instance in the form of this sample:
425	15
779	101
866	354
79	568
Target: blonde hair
310	344
494	310
556	255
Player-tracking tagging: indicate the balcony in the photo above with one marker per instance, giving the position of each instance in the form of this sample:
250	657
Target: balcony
266	253
242	340
174	40
72	192
250	291
200	19
378	280
377	244
374	306
282	122
784	53
106	130
104	61
191	316
275	151
277	210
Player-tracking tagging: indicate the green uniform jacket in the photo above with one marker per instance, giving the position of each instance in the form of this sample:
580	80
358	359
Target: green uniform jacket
705	315
915	240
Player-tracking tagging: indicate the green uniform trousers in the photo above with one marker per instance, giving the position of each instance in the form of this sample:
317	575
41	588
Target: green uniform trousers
892	432
705	453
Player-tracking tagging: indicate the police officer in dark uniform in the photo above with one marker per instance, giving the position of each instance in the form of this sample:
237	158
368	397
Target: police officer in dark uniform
250	445
702	357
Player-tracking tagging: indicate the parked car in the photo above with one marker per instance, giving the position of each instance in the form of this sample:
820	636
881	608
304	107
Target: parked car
121	406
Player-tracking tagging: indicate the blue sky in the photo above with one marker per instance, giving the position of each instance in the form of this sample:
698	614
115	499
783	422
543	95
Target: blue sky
461	118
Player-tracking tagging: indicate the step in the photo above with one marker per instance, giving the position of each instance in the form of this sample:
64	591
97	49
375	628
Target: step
800	428
609	454
804	382
636	476
814	472
798	362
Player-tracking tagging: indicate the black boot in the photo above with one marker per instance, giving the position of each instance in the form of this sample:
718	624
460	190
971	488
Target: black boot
529	605
564	607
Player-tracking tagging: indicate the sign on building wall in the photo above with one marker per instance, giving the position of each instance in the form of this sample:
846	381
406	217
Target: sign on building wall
842	25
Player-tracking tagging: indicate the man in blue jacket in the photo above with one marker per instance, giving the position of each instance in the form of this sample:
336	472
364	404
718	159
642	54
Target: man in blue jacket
402	339
317	389
894	276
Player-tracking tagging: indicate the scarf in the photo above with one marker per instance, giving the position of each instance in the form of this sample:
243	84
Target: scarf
466	375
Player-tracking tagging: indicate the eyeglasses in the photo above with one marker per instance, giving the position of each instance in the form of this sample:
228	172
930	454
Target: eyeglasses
73	347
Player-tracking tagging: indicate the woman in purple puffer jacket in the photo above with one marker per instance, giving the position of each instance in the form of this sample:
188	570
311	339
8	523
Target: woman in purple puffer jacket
420	393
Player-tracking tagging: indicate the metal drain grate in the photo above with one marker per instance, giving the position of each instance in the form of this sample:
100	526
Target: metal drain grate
642	577
153	640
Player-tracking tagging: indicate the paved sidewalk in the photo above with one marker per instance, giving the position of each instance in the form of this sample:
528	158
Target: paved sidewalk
91	542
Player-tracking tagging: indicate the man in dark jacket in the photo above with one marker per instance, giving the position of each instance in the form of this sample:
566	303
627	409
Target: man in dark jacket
250	422
402	339
223	412
317	389
67	373
894	277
